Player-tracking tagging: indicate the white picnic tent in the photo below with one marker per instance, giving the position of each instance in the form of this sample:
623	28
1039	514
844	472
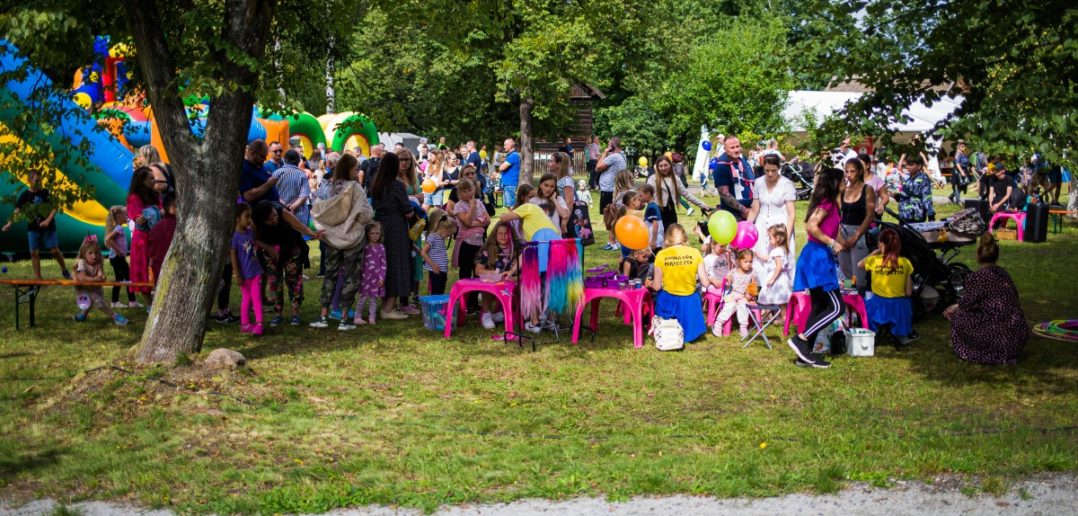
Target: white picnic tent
821	104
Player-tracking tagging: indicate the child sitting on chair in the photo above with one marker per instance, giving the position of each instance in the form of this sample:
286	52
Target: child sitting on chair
889	302
499	256
740	283
637	266
718	261
678	267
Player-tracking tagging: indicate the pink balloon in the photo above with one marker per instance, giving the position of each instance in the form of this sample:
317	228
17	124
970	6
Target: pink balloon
746	235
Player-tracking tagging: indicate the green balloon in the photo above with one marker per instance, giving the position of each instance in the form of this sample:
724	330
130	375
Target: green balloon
723	227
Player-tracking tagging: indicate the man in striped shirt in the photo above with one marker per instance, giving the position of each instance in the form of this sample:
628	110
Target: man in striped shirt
293	187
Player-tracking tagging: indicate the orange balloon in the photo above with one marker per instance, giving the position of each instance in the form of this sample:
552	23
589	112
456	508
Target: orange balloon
429	186
631	232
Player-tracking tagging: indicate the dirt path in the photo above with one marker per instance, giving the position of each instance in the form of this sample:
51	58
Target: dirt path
1049	494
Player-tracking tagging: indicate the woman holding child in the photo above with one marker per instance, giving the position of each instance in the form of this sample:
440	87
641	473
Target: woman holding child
774	204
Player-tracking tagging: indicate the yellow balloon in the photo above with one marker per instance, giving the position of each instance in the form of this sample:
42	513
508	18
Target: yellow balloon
669	155
483	154
643	161
83	100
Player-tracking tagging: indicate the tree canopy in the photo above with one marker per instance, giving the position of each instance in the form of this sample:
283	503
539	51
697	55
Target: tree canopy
1013	62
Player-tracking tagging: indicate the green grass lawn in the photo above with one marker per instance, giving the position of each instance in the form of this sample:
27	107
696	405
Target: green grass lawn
396	415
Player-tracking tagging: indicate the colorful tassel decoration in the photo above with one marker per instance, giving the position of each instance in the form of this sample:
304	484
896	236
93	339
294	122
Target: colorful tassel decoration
531	295
574	273
556	276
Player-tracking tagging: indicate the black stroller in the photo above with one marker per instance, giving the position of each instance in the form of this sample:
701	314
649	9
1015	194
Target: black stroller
801	174
931	247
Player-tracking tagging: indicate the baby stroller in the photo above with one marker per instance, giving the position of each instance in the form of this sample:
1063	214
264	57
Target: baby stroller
801	174
931	248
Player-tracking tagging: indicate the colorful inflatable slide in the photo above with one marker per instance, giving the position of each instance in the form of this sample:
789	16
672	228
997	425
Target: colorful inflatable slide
118	123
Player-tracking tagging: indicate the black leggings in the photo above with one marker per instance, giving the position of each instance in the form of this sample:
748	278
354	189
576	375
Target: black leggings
123	273
466	260
224	291
826	309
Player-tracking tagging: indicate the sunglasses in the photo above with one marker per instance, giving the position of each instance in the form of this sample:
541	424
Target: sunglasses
278	151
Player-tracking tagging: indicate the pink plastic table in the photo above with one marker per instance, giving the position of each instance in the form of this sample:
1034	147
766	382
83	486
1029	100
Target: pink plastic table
503	291
635	301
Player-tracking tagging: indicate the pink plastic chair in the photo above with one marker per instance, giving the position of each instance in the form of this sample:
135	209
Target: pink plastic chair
503	291
797	311
1019	218
635	301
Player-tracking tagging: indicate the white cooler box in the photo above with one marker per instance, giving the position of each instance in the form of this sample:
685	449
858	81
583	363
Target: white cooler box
860	342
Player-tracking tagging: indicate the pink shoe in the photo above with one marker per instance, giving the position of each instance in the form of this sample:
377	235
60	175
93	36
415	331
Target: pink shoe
373	320
410	310
246	328
256	329
358	321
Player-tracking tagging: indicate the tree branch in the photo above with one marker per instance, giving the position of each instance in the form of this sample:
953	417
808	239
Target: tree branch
159	71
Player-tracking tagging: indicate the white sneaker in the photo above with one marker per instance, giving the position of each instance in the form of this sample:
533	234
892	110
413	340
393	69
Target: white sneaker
716	329
487	321
532	328
688	212
117	304
498	317
393	315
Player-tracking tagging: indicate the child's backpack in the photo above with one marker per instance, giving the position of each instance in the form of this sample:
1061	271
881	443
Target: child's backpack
668	334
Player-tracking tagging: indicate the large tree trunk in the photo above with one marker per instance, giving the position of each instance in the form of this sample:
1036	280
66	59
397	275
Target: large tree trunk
526	146
207	173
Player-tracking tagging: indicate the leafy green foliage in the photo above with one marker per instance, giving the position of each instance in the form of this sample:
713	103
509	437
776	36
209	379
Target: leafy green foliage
733	80
1013	62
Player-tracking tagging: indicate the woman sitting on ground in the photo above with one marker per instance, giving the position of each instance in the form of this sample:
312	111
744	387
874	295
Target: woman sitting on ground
987	323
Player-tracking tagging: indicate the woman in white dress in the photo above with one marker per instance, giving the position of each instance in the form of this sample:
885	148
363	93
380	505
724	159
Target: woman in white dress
774	204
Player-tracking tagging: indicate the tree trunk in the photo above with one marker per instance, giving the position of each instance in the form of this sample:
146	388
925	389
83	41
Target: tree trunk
1072	201
331	96
526	147
207	173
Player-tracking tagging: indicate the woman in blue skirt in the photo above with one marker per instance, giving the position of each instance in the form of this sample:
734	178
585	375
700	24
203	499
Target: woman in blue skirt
817	266
677	269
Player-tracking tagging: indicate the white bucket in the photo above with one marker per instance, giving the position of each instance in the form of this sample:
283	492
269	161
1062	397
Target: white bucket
860	342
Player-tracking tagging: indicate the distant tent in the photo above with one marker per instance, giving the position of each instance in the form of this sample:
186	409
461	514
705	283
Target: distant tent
824	103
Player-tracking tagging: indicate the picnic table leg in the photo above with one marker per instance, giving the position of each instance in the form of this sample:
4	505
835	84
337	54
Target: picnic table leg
33	298
17	295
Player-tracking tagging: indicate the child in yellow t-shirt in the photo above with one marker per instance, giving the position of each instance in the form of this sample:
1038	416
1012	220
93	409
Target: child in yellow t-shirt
889	302
677	269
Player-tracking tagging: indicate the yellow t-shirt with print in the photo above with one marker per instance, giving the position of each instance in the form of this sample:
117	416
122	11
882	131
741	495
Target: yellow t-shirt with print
887	282
679	265
533	219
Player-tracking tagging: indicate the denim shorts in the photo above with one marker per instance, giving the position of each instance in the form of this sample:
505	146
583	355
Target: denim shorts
42	240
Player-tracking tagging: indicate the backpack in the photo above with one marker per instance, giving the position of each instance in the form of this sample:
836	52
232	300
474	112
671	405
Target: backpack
668	334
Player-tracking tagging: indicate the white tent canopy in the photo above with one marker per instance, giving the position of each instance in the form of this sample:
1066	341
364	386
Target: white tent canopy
824	103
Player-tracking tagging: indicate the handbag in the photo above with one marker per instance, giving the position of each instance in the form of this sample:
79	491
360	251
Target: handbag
579	224
668	334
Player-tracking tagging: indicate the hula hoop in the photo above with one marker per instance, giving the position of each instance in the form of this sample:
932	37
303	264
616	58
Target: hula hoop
1065	330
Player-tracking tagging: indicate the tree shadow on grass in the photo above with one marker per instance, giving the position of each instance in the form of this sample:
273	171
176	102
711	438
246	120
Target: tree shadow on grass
1042	367
12	465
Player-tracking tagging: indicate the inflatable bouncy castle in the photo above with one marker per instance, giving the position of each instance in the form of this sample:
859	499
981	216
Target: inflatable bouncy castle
118	122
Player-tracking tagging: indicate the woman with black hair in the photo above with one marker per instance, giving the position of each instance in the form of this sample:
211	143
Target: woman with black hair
816	266
142	200
392	208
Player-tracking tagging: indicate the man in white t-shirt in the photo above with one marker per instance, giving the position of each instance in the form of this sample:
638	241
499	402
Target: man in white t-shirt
843	154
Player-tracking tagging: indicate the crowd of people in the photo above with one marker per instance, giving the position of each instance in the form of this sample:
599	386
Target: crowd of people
386	222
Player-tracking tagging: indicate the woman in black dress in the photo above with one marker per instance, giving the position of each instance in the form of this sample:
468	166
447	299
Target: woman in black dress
987	324
392	209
